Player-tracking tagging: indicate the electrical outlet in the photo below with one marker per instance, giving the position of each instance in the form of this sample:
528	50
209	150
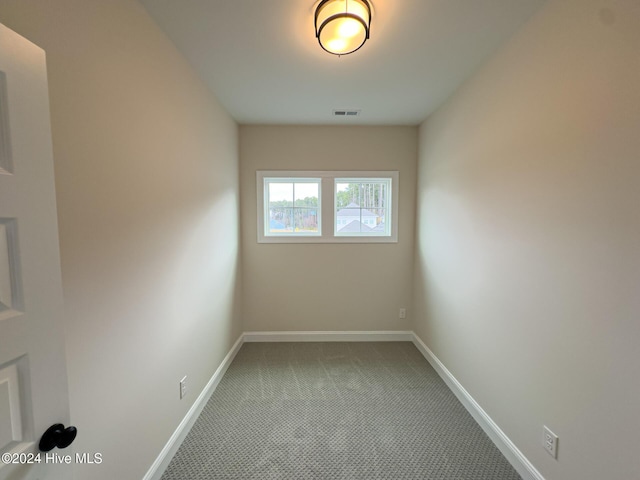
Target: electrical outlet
183	387
403	313
550	442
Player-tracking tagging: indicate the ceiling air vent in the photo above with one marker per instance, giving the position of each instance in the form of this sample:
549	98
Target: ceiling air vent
346	113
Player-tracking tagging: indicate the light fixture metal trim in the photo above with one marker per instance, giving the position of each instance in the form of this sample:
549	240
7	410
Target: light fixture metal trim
343	13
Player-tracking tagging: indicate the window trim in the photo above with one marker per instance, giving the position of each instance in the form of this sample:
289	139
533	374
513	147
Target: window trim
327	220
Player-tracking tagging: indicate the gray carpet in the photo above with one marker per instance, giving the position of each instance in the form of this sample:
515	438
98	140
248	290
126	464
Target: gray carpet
335	411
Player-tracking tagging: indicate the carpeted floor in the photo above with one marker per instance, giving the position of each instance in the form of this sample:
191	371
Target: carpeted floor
335	411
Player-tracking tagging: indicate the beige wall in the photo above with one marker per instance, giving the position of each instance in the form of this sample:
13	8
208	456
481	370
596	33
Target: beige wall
147	189
528	238
326	286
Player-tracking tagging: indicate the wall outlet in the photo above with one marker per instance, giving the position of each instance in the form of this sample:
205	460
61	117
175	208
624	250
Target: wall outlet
403	313
550	442
183	387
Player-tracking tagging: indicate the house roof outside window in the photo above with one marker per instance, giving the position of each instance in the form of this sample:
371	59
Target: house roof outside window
355	227
349	211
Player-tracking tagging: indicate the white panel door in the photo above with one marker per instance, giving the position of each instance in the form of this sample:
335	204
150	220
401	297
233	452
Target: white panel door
33	378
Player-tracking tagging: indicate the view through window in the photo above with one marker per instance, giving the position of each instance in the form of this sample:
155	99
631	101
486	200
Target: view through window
293	206
362	206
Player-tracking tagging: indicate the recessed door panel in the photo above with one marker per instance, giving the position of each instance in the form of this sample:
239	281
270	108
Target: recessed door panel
10	408
10	285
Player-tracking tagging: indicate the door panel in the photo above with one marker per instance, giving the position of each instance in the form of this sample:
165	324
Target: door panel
10	294
33	381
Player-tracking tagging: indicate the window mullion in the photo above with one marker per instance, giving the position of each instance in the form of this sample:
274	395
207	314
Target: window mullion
327	198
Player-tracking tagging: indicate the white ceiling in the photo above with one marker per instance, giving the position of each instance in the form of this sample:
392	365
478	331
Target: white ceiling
263	62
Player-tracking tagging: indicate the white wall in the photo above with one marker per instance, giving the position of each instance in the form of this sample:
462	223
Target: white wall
327	286
528	237
146	166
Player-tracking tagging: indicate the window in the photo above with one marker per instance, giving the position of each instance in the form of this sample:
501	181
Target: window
292	207
358	207
362	207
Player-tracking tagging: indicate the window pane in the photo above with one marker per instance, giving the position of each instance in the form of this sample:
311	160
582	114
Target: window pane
347	216
362	207
374	195
380	226
280	194
347	193
306	220
292	206
306	195
280	220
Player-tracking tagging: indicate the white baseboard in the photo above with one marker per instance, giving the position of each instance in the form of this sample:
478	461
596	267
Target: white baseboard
162	461
515	457
338	336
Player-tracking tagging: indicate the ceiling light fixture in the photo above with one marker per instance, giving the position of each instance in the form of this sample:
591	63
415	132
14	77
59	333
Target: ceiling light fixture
342	26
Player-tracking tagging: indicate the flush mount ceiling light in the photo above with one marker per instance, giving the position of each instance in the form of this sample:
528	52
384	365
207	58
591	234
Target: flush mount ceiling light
342	26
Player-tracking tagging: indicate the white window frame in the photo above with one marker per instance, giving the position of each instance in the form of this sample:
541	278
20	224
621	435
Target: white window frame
326	200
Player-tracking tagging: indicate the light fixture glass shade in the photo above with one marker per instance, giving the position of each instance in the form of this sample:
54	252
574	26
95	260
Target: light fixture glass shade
342	26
